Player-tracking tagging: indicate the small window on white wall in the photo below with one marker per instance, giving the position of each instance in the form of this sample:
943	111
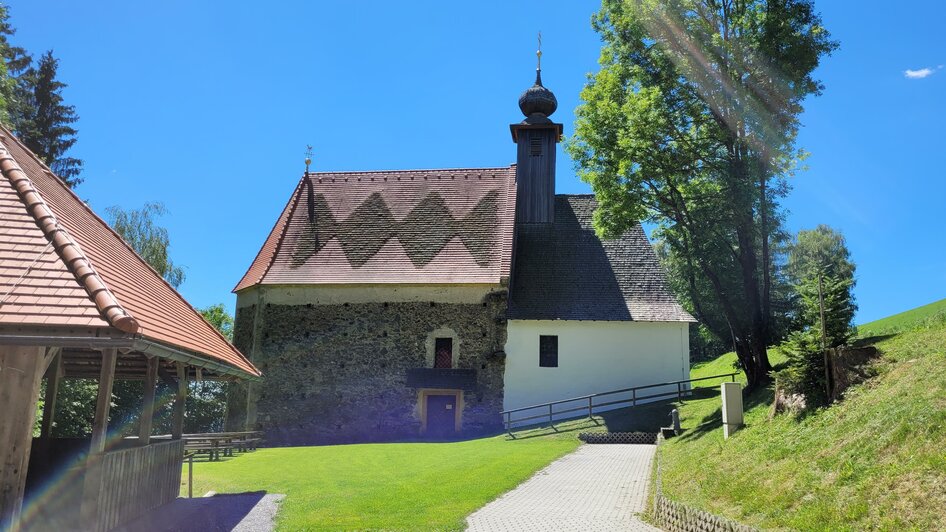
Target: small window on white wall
548	351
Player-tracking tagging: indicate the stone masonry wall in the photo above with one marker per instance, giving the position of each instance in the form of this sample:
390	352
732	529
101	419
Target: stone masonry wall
336	373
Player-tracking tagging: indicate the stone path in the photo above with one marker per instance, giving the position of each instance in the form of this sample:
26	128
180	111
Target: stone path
597	487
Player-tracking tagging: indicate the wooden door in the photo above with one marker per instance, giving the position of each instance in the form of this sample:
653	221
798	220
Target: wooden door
441	415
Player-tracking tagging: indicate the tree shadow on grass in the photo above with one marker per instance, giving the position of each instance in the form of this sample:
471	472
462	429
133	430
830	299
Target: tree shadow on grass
871	340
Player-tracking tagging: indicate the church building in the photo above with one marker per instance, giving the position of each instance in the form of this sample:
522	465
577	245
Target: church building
422	303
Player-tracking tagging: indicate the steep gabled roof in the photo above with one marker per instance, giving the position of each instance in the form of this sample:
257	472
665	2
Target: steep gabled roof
61	265
408	226
563	271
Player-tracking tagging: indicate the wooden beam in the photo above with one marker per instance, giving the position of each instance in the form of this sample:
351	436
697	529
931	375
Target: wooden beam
147	405
177	427
21	372
53	376
167	377
52	355
104	400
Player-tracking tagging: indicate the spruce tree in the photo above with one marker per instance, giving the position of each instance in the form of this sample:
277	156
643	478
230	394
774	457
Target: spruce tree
46	125
15	62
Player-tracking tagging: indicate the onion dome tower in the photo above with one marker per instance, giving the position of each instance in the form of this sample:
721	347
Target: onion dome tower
536	137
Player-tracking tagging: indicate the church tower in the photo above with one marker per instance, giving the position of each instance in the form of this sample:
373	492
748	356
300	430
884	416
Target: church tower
536	137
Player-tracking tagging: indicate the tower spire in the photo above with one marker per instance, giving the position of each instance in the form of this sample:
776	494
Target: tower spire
538	54
308	158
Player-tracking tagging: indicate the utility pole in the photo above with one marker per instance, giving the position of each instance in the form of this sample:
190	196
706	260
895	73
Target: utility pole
824	338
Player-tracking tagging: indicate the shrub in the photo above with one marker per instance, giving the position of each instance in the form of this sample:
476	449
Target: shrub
804	368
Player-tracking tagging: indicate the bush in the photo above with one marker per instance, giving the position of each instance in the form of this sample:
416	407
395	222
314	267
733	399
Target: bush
804	368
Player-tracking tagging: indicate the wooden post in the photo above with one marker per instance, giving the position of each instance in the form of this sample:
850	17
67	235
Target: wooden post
21	372
147	403
54	375
104	400
89	507
177	427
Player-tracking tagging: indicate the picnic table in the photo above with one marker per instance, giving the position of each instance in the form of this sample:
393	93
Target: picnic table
217	444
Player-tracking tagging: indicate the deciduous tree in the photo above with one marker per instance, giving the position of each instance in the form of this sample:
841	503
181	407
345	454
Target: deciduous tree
690	124
149	240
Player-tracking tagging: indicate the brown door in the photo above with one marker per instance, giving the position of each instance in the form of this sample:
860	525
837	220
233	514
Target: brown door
441	415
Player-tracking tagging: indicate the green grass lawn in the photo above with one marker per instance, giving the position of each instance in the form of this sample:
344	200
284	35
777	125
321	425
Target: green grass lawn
395	486
405	486
875	460
904	320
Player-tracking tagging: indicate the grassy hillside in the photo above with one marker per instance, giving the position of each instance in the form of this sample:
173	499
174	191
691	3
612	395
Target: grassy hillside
875	460
904	320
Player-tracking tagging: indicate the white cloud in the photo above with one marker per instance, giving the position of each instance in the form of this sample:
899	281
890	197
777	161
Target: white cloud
921	73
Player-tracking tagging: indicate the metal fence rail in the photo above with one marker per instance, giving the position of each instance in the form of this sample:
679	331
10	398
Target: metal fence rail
508	420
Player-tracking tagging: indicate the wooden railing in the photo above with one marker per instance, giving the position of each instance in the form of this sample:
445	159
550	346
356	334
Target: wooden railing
589	404
122	485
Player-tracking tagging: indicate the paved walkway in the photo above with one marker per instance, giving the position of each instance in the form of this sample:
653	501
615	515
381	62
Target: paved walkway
597	487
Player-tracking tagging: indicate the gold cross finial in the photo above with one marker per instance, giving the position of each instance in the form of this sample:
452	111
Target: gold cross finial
538	53
308	158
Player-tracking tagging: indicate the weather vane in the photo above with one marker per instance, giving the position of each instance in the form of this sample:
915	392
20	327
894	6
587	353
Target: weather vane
308	158
538	53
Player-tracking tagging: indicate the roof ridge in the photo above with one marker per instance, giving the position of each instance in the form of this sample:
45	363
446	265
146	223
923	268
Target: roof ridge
68	249
409	170
6	134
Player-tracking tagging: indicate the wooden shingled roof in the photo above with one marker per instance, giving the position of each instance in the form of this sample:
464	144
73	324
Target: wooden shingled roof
564	271
62	267
446	226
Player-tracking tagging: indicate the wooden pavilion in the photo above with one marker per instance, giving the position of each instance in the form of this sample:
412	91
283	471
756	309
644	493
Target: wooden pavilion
77	302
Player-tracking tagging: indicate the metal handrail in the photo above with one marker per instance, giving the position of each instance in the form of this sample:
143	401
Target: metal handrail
507	414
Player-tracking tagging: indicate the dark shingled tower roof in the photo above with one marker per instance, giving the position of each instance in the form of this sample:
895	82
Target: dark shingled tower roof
563	271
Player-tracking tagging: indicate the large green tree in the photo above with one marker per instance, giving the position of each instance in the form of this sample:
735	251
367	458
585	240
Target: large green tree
45	122
690	124
149	240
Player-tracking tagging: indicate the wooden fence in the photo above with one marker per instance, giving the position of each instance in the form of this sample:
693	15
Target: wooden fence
122	485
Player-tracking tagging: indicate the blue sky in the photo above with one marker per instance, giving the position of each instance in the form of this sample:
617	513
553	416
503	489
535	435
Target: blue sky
209	109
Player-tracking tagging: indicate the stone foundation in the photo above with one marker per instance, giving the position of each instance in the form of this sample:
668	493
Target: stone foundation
337	373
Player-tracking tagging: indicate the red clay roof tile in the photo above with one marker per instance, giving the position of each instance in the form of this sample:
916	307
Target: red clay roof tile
65	266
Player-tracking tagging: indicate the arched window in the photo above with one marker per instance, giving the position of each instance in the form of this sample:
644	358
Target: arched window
443	347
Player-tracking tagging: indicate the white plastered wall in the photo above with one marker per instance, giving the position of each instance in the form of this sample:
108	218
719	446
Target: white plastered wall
593	356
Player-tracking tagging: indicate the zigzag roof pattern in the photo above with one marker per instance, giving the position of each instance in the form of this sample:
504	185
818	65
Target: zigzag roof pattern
449	226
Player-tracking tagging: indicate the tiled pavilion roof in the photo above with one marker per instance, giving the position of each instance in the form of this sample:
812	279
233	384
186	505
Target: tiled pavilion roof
63	266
